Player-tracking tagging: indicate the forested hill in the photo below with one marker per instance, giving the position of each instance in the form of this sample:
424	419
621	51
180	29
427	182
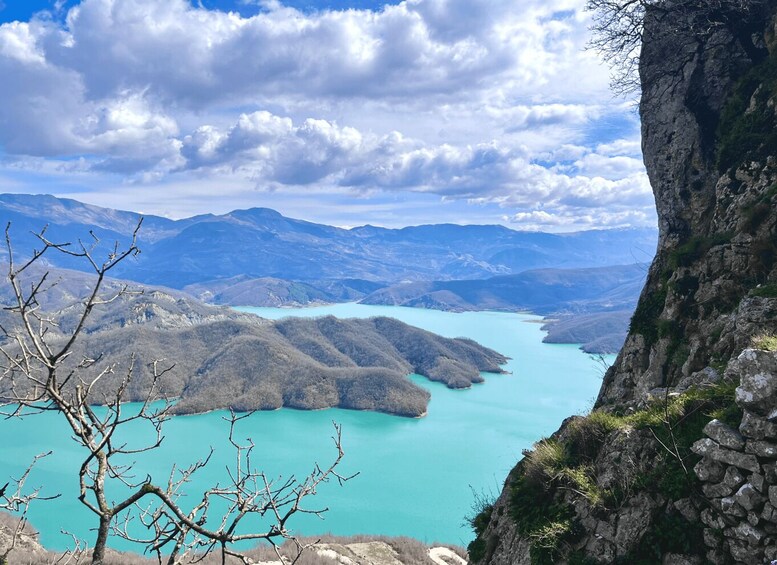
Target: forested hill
244	362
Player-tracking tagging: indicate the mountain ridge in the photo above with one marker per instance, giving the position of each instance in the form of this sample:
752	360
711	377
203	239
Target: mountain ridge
260	242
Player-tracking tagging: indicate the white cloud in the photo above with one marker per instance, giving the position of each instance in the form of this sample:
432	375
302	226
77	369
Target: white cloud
276	152
616	166
568	219
485	101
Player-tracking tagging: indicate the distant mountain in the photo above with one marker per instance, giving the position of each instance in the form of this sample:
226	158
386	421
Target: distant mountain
598	332
268	291
258	257
588	306
543	291
261	243
226	359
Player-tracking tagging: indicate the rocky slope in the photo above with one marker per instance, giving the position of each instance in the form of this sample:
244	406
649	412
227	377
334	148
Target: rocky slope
325	550
676	464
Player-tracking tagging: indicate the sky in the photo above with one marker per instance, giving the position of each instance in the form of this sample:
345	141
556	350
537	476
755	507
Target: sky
345	112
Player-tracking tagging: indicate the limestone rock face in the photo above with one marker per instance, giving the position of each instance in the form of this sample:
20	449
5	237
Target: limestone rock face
717	226
709	117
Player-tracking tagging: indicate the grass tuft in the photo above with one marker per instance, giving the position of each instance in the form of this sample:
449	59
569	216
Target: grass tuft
767	342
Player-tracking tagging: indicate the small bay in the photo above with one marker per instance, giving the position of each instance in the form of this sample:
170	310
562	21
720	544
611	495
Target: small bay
416	476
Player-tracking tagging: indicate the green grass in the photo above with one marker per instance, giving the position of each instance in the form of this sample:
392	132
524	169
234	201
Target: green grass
478	520
646	318
694	249
765	291
554	467
545	461
767	342
644	321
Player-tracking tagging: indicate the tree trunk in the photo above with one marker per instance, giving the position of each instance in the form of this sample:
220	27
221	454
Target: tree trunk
98	555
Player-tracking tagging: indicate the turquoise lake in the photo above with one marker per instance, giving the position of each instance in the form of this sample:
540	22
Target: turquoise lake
416	476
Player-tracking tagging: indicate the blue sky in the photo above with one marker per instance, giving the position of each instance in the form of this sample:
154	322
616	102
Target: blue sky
343	112
23	10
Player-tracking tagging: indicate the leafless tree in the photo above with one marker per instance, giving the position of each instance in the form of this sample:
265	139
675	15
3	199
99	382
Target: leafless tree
618	28
16	499
38	375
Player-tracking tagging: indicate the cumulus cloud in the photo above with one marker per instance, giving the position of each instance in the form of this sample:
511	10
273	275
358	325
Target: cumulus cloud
566	219
481	101
276	151
188	54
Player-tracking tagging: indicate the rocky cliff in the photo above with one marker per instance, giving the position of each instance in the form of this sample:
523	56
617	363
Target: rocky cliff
676	464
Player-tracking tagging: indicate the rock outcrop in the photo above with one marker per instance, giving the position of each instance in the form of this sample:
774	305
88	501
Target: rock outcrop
715	196
738	468
676	464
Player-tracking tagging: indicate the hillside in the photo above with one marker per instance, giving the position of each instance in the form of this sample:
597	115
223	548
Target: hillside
543	291
591	307
246	363
676	464
599	332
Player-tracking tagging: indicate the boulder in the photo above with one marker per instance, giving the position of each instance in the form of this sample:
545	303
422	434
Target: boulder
749	498
758	381
732	480
749	534
709	471
769	513
724	435
755	427
764	449
731	507
710	448
758	481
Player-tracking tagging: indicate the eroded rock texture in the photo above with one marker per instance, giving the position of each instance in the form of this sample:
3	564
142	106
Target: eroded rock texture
678	463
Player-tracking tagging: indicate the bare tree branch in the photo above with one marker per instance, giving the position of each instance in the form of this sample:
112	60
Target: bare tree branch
37	375
619	31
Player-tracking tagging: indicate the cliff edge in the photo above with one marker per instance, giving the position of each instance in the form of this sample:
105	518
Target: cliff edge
677	462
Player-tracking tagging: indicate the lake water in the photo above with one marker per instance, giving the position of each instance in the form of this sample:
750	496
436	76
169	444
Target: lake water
416	476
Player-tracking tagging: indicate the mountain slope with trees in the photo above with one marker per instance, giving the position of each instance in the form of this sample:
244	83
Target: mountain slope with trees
260	243
244	362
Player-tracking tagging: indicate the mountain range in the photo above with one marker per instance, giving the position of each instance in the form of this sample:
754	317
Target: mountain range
258	257
260	243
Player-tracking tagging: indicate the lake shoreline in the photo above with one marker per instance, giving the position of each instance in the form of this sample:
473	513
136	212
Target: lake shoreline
474	435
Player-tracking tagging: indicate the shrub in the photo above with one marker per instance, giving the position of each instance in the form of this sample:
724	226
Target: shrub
695	248
586	434
482	509
676	421
544	462
745	135
669	533
645	318
765	291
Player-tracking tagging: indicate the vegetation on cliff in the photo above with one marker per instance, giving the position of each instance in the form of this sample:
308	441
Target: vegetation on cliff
574	463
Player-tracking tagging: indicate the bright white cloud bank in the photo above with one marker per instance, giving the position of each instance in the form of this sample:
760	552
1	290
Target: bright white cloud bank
492	104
